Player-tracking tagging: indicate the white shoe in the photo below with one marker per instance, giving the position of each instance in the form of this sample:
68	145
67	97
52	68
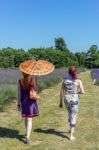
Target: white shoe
72	138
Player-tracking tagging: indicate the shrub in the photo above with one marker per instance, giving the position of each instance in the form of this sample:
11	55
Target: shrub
7	96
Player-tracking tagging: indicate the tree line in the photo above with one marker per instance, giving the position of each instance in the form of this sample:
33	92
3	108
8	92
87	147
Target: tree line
60	56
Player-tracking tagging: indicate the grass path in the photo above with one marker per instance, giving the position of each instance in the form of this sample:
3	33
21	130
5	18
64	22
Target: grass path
50	129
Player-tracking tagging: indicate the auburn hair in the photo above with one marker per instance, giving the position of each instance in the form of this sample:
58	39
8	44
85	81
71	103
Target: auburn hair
73	72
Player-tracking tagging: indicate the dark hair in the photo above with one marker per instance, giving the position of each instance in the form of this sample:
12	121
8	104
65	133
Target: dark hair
73	72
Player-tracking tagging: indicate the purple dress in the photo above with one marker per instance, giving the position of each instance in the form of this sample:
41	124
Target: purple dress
29	108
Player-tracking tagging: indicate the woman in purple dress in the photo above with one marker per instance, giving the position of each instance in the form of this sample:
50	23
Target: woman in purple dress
28	107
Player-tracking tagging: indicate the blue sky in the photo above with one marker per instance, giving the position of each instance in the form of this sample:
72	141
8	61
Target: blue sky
35	23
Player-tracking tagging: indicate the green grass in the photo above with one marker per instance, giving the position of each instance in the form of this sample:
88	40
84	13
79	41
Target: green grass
50	128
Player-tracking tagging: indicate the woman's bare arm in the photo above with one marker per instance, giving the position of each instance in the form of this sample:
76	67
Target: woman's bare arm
81	87
61	96
18	98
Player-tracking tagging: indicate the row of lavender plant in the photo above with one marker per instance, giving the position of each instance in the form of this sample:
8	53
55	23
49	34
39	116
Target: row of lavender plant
95	76
9	79
12	76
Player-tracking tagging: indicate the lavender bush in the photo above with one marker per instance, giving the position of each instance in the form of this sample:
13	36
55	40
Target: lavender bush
9	80
95	76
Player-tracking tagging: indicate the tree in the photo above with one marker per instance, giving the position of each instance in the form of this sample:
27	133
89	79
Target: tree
8	57
60	44
72	59
21	56
91	56
81	58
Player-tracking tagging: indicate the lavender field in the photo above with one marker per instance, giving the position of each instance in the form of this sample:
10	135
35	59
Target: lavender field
9	80
12	76
95	73
95	76
50	129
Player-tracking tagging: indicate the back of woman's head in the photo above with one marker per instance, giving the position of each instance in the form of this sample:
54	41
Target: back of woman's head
25	75
73	72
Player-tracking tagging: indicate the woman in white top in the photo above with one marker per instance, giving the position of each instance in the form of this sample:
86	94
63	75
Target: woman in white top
71	87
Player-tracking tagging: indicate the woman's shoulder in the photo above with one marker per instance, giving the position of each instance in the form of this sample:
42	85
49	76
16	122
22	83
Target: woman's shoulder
79	81
32	81
19	80
66	78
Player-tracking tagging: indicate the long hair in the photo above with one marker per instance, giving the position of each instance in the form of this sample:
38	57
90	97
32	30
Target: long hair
27	79
73	72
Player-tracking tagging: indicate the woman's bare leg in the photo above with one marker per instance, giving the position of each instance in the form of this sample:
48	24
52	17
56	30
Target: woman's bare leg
28	124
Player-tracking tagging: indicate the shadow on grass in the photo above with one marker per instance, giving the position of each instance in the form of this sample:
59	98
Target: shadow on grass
51	131
11	133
